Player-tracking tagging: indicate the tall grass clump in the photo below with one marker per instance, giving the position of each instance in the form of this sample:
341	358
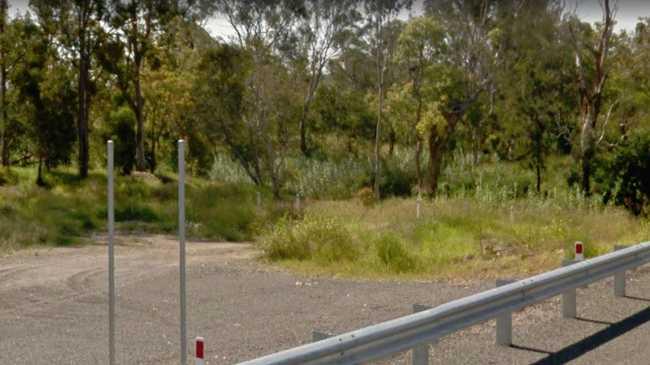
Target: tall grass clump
454	237
394	255
324	240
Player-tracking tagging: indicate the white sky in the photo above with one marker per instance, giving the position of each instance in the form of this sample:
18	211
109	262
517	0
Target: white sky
629	11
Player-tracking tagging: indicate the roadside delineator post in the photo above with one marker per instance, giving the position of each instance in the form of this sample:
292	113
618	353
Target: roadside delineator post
199	352
579	251
418	202
504	321
619	278
111	256
420	353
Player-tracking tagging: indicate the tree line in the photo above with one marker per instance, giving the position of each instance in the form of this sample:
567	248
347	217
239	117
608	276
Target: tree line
519	80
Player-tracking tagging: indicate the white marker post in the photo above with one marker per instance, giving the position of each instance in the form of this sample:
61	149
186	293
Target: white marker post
181	237
579	250
111	259
199	351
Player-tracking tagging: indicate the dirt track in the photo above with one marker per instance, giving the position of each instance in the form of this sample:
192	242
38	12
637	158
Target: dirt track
53	310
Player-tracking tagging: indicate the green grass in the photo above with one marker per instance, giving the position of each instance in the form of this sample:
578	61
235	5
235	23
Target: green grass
455	237
68	210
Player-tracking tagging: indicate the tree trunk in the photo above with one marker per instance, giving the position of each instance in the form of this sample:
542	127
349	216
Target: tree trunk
538	172
303	129
39	177
4	143
392	139
436	145
82	122
418	167
140	162
587	150
380	106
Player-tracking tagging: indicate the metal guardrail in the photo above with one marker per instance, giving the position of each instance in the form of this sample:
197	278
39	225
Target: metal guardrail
404	333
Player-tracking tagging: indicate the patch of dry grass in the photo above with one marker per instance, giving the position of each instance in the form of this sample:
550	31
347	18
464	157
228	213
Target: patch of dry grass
465	237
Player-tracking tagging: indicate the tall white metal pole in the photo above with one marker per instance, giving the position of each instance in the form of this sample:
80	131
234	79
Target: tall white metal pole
181	237
111	259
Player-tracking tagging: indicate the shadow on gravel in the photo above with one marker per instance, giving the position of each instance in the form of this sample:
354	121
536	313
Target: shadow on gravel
637	298
587	344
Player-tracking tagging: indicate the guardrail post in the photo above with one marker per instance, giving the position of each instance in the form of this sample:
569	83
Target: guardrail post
420	353
619	278
504	321
569	302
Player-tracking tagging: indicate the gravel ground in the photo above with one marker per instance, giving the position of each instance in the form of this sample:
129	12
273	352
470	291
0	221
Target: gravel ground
53	310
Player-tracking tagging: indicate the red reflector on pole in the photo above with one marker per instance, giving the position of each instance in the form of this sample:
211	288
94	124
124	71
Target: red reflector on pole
579	252
199	348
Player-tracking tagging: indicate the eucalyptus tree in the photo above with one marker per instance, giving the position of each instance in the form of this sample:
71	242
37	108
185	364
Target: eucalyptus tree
536	93
467	71
265	30
381	15
323	32
46	94
419	50
592	50
135	26
78	26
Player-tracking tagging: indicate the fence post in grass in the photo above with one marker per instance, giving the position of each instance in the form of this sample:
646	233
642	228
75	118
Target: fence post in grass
297	203
619	278
417	206
569	300
111	257
420	353
181	238
504	321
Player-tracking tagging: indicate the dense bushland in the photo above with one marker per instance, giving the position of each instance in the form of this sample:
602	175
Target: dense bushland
68	210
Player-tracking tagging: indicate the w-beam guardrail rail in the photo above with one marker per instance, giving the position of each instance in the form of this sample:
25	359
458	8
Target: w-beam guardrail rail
425	327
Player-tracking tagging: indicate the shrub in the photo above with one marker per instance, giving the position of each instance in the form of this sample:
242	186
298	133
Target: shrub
135	212
397	178
394	255
367	196
628	177
325	240
7	177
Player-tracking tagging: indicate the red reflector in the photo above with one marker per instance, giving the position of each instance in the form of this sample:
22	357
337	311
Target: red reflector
199	348
579	248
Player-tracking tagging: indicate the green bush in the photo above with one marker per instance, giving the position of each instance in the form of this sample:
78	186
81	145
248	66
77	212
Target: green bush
221	211
132	211
324	240
394	255
7	177
627	176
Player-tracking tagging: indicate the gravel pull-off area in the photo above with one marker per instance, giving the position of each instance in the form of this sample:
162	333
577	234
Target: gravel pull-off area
53	310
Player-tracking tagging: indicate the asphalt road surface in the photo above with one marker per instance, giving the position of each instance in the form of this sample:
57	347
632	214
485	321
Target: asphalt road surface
53	310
